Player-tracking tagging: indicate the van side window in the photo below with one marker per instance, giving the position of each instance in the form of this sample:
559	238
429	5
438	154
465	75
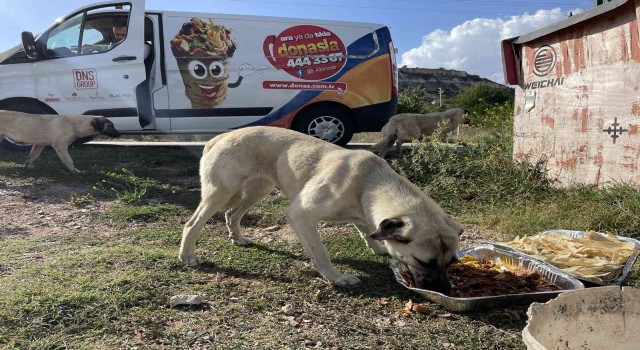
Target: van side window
63	40
95	31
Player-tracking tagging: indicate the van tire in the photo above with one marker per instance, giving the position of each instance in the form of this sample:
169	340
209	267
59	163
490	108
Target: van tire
25	108
329	123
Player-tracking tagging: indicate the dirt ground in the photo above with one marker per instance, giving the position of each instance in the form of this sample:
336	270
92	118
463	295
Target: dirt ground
52	209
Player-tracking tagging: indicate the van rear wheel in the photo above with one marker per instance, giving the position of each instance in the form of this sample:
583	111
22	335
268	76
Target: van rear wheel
25	108
331	124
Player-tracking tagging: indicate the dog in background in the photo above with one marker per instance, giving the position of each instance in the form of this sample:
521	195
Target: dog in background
323	182
57	131
404	127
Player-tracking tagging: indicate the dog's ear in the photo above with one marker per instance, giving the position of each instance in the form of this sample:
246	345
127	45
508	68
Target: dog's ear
465	117
389	229
98	123
449	220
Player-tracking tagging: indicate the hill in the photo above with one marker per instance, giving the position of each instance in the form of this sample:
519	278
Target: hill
450	81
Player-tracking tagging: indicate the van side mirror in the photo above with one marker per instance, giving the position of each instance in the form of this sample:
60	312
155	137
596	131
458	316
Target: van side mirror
29	45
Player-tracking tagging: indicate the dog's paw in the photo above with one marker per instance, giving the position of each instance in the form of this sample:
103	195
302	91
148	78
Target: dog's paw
242	241
346	280
77	171
190	260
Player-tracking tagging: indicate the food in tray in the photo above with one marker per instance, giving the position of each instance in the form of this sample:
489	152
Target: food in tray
595	256
476	277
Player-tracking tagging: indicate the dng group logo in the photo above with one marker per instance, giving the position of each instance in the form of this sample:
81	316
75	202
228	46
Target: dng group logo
544	60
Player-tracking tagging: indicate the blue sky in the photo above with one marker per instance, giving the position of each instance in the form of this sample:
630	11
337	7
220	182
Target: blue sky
452	34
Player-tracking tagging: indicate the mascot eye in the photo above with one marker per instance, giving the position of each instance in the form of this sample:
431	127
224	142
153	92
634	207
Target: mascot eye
197	69
216	69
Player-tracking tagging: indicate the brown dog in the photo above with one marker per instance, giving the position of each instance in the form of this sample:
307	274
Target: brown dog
323	182
57	131
405	127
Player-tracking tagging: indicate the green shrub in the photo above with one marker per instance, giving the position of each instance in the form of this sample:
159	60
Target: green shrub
460	176
481	97
465	176
412	100
124	187
496	118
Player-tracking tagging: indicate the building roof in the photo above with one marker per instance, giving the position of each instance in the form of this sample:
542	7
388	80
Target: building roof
575	19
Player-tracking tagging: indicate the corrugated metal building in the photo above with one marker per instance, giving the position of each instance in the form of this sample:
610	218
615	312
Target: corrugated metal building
578	95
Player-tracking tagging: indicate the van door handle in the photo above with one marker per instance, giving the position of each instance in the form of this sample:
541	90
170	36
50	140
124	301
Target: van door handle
124	58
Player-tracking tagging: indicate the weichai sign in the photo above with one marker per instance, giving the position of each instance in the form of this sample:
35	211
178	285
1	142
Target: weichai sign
544	61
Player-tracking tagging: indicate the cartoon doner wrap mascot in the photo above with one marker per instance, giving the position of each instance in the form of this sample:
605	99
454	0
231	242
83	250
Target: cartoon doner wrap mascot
202	52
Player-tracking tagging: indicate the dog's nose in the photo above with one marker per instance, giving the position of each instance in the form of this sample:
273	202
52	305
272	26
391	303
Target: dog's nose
436	286
438	283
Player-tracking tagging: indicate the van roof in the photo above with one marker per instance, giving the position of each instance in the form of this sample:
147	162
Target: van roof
268	18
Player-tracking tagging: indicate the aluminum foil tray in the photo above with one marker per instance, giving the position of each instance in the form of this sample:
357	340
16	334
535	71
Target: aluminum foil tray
580	234
507	256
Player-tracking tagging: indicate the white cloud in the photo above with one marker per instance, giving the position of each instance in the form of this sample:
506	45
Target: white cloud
474	46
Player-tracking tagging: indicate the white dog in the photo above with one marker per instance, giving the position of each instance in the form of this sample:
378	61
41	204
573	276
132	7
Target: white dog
323	182
57	131
405	127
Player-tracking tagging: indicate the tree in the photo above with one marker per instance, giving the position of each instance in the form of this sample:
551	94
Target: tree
412	100
480	97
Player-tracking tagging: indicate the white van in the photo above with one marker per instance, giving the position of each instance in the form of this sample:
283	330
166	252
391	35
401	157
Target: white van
205	72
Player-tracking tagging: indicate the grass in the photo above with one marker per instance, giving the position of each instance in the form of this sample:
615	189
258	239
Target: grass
111	290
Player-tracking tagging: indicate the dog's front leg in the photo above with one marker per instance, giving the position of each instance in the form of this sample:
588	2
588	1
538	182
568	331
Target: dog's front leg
304	225
63	154
372	244
36	150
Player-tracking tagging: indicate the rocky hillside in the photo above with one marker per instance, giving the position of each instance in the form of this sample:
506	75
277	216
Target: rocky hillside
450	81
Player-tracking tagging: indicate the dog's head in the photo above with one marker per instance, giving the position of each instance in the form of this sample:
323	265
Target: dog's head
426	245
104	126
465	116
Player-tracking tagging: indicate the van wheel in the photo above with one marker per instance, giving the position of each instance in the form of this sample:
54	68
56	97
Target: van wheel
331	124
26	108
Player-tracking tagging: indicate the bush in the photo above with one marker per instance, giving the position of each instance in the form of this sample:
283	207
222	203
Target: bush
496	118
460	177
480	97
412	100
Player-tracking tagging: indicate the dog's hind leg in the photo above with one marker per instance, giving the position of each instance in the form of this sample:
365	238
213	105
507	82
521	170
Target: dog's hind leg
36	150
385	147
399	144
213	200
304	224
372	244
254	190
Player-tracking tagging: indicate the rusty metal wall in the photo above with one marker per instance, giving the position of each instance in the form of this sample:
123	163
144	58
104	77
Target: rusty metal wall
579	105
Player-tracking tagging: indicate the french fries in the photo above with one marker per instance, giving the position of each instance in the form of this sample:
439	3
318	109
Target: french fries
593	257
